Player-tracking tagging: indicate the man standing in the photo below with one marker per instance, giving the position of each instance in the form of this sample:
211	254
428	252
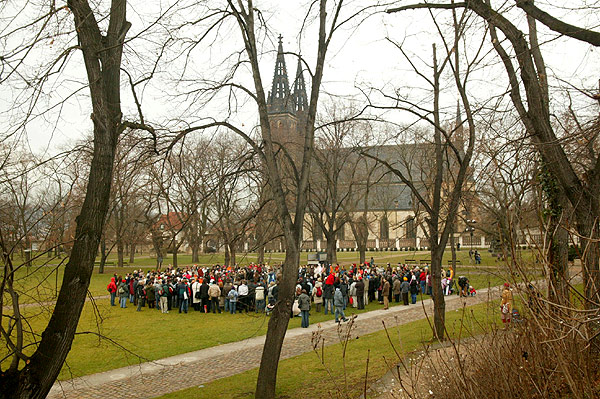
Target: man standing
243	296
214	292
204	297
259	293
328	293
140	295
404	288
184	296
385	292
123	293
338	303
164	292
304	305
396	289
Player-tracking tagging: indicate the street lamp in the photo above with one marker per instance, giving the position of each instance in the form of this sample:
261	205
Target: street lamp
470	229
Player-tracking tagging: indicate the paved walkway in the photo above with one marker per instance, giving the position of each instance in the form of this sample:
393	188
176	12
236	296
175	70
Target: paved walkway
151	379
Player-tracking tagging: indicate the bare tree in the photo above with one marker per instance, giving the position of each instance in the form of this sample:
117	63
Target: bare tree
449	153
528	83
100	37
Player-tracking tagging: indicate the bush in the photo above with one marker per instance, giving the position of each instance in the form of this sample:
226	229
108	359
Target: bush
534	358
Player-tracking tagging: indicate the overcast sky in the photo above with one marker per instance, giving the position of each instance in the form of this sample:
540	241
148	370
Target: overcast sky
360	57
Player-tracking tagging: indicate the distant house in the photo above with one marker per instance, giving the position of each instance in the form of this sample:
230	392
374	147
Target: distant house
172	227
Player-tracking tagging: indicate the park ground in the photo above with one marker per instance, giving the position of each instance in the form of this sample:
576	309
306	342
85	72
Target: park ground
110	337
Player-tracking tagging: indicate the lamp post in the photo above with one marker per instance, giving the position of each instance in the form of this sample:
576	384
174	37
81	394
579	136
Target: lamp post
470	229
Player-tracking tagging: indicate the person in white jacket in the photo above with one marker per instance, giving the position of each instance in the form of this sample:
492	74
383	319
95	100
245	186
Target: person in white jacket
196	301
352	293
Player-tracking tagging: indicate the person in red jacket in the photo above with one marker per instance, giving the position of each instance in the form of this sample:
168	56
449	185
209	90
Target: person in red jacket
112	288
423	280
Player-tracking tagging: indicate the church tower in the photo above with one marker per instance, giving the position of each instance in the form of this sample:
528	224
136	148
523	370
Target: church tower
299	95
287	109
458	135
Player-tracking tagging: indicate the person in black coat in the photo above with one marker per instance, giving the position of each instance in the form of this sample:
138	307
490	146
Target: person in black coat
204	298
360	293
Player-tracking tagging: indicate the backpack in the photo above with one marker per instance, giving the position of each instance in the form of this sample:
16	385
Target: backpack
108	288
121	290
161	292
319	292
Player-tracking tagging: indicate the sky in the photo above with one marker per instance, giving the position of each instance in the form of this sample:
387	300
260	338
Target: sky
361	58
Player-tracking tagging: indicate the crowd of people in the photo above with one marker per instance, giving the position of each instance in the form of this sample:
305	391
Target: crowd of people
254	288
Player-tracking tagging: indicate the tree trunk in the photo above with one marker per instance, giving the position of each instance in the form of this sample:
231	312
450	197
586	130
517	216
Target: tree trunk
175	250
102	57
131	253
278	324
331	249
439	303
120	252
195	253
233	253
362	250
227	256
260	258
103	256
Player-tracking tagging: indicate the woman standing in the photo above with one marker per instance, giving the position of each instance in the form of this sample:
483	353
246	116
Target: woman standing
506	306
317	294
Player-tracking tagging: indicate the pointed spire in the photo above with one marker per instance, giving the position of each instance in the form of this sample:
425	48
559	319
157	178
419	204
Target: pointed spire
458	134
279	100
299	95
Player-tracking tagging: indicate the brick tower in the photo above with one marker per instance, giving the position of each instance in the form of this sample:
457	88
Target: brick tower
287	109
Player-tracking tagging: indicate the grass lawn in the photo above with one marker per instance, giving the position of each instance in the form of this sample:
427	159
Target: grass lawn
153	335
304	376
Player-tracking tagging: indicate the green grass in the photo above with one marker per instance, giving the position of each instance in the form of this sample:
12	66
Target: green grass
154	335
304	376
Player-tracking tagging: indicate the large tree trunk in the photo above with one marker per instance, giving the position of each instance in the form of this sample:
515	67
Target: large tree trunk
278	324
331	249
439	302
131	253
195	252
260	257
175	250
227	256
102	56
232	254
362	253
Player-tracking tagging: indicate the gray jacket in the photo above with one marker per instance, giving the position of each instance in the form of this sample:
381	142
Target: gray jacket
304	302
338	298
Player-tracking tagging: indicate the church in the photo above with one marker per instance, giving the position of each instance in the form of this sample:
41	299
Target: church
367	196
